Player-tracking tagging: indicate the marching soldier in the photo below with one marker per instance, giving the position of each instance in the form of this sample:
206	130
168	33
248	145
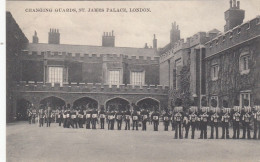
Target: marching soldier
88	118
186	123
119	118
102	116
225	122
214	118
257	122
145	116
94	118
236	120
74	118
246	118
178	121
48	115
135	119
193	119
80	117
111	119
155	117
34	113
127	116
29	114
41	116
204	122
166	119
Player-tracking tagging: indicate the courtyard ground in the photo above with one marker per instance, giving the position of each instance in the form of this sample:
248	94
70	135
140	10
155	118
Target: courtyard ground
30	143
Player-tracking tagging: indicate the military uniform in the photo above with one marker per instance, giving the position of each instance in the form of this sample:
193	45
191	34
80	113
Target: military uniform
178	120
48	116
34	113
74	122
111	120
204	123
102	116
88	119
59	117
166	120
225	124
41	117
127	116
64	116
119	118
246	118
135	119
145	117
94	118
257	122
214	124
80	118
193	119
29	114
236	121
155	117
186	124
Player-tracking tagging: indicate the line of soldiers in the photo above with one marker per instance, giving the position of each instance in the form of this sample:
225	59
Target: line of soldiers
180	119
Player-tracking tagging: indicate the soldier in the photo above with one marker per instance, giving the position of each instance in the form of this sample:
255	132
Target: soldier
166	119
246	118
94	118
145	116
74	118
214	118
178	117
155	117
29	114
111	118
225	122
257	122
193	119
48	115
41	116
69	120
80	117
204	122
64	116
186	123
34	113
127	116
135	118
59	116
119	118
88	118
236	114
102	116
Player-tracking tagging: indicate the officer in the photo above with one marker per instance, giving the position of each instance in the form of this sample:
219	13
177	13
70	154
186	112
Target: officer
127	116
204	118
257	122
166	119
102	116
178	117
193	119
135	118
48	115
94	118
80	117
186	123
214	116
41	116
225	119
246	118
29	114
119	118
34	113
144	117
155	117
88	117
236	114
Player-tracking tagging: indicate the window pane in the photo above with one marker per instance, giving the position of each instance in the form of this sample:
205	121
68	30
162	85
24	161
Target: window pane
55	74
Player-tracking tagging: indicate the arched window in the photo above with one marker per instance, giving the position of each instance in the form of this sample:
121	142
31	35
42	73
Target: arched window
244	63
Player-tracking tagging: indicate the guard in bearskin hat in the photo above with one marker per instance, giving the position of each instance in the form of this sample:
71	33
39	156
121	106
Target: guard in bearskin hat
127	116
155	117
135	117
166	119
215	118
204	119
256	121
246	119
225	119
119	117
102	117
178	118
193	119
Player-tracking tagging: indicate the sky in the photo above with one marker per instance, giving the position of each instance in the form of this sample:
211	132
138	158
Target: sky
130	29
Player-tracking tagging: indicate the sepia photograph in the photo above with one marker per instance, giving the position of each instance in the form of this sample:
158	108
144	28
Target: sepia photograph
124	81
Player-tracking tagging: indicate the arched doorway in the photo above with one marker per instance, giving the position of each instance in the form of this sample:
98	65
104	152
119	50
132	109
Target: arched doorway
148	103
21	111
85	103
116	104
54	102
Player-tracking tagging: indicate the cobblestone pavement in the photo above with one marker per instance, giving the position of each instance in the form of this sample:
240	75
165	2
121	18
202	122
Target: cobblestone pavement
30	143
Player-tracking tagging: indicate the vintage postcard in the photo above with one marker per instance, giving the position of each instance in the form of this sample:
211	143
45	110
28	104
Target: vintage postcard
132	80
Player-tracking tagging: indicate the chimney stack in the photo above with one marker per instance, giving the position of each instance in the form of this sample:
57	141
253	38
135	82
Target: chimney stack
154	42
108	39
54	36
35	38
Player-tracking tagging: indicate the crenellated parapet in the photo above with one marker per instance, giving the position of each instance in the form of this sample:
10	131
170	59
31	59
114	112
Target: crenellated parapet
244	32
32	86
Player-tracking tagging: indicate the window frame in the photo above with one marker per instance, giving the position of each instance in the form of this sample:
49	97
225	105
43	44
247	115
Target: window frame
242	63
142	78
212	72
241	97
55	75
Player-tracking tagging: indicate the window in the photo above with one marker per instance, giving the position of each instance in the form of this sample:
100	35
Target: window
114	77
243	97
55	75
214	72
244	64
215	98
137	78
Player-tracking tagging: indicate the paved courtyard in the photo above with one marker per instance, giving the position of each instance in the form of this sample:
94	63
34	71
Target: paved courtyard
29	143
